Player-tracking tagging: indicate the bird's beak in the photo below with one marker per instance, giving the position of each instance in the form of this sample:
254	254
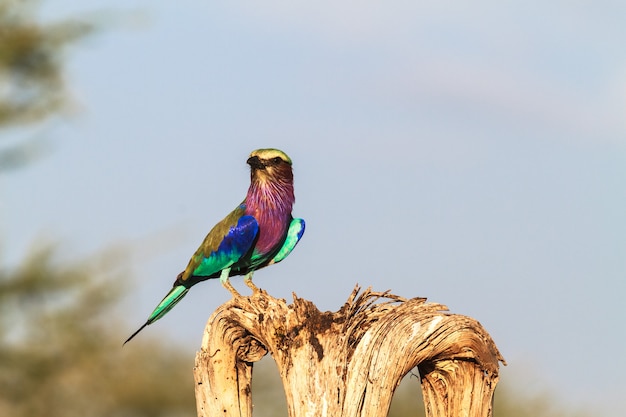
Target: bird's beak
255	162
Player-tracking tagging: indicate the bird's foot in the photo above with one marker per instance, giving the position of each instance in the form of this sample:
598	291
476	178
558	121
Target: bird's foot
230	288
248	281
226	283
254	288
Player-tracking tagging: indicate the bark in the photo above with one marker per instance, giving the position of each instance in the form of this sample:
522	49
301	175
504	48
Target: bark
346	363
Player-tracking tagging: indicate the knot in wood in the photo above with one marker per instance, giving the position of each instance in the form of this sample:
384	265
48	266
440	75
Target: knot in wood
249	349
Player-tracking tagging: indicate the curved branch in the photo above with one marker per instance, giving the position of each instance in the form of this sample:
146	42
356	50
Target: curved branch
346	363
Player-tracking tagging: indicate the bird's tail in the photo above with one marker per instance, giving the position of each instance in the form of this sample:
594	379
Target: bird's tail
171	299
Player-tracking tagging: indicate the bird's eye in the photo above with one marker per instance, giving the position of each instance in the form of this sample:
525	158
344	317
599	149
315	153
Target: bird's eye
276	160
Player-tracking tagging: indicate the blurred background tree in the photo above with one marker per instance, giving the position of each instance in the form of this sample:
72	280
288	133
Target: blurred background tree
59	354
31	56
60	344
32	86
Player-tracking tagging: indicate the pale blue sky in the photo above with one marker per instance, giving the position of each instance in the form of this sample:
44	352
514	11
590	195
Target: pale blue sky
473	154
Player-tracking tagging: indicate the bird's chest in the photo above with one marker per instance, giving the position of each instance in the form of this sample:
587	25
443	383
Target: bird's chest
272	229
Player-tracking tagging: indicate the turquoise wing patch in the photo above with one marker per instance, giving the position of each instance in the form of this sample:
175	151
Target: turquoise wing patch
294	233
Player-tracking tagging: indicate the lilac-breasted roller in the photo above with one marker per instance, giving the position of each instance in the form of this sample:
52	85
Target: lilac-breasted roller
258	233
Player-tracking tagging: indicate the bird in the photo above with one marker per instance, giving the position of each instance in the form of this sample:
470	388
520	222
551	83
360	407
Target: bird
259	232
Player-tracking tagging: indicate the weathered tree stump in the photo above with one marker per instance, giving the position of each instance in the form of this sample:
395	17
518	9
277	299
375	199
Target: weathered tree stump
347	363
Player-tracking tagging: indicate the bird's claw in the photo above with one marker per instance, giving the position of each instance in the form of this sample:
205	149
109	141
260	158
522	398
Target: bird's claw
232	289
250	284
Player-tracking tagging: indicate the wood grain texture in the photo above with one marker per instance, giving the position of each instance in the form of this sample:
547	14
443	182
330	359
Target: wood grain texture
346	363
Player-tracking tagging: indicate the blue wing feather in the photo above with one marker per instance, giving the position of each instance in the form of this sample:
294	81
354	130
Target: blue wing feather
234	245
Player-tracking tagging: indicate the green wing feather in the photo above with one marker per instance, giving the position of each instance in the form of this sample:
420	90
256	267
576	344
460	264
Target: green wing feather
294	233
169	301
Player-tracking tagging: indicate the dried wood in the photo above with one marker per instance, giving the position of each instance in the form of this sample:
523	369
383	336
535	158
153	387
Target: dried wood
346	363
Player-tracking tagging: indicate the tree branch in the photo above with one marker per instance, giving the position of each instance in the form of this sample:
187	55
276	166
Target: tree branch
346	363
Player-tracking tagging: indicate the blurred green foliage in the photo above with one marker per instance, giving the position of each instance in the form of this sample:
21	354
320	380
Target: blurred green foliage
60	336
31	61
32	83
61	346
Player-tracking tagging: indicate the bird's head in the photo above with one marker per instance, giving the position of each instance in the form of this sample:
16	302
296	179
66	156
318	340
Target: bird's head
270	165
